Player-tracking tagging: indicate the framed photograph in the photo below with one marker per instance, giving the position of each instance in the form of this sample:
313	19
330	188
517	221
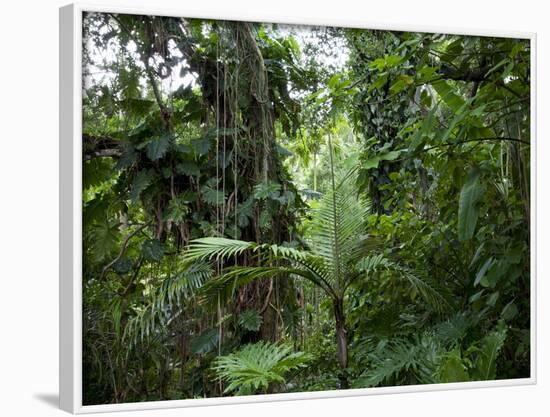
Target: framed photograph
259	209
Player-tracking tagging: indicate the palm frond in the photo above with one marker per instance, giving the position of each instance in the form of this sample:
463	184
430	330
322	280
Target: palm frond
216	248
164	304
338	227
185	284
370	264
225	285
428	290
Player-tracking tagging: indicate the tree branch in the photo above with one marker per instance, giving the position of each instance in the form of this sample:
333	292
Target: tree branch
122	249
99	146
475	140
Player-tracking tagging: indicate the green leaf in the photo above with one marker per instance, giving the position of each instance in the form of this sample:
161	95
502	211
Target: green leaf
379	82
509	311
205	342
389	61
140	183
497	270
426	129
468	210
138	107
393	60
448	95
157	147
250	320
485	364
123	266
127	158
402	82
188	168
266	189
371	163
104	239
96	171
152	250
491	301
379	64
483	270
476	296
390	156
255	366
212	196
201	145
452	368
375	160
177	210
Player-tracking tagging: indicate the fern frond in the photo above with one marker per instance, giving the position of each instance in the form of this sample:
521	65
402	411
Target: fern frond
255	367
418	357
428	290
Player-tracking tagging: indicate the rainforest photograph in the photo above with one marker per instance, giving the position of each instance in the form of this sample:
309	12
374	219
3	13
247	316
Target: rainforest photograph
273	208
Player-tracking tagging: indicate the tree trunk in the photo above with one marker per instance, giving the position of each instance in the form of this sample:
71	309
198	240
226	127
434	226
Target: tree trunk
341	342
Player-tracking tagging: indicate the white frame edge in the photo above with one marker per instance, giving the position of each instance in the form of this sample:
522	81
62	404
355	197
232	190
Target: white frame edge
70	211
69	220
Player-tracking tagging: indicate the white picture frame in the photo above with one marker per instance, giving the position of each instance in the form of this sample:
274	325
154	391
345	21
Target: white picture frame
70	211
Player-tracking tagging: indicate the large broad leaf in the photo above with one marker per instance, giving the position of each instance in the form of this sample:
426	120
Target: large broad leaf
177	210
426	129
188	168
485	364
250	320
448	95
137	107
140	183
157	147
265	190
483	270
468	210
212	196
375	160
96	171
452	368
205	342
201	145
123	266
402	82
152	250
128	157
104	240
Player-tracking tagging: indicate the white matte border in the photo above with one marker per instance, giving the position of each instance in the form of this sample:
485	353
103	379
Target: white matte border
70	210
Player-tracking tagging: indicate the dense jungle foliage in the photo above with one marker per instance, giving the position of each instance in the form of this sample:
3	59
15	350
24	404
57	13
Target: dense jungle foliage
271	208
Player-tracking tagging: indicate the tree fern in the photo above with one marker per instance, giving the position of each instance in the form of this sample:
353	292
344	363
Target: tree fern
340	252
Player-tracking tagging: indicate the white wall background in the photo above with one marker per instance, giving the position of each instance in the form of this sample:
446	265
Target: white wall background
29	203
